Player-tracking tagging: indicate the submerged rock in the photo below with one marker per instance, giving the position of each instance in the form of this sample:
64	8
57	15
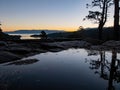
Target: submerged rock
24	62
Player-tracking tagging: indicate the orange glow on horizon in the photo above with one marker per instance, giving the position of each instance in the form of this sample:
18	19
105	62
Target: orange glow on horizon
69	29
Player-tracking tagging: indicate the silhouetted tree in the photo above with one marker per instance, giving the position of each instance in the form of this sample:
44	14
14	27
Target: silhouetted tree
80	28
116	19
43	35
100	17
0	27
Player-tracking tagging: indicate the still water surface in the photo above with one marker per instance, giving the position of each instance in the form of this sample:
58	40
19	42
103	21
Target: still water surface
73	69
27	36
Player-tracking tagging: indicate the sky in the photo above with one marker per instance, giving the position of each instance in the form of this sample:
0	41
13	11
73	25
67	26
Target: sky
45	14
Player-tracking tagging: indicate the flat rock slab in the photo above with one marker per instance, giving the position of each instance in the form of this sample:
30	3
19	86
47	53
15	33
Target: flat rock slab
69	44
112	43
18	50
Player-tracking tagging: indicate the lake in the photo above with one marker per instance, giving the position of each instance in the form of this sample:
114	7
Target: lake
72	69
27	36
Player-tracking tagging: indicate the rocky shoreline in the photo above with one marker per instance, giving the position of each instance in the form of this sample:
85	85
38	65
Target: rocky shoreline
11	51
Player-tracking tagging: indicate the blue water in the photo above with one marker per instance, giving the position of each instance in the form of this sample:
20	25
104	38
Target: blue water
27	36
71	69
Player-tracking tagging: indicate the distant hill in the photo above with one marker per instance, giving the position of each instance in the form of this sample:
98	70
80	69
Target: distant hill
108	33
59	35
33	31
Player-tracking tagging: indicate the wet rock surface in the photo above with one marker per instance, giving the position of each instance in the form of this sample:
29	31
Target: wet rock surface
69	44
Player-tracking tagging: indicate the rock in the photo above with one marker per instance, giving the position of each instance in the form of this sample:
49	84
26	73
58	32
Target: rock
15	37
7	57
19	50
93	41
2	43
3	86
39	50
95	47
99	47
69	44
4	36
108	45
112	43
15	45
24	62
55	50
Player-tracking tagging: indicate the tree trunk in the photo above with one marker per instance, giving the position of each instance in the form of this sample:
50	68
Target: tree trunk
100	30
103	19
116	20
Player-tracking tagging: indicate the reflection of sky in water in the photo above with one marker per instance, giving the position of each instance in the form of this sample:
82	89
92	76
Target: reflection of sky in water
65	70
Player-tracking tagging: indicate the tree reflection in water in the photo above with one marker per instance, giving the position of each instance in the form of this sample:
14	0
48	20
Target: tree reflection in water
107	70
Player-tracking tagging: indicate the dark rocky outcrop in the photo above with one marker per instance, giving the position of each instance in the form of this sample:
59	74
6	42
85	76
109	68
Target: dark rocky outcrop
7	56
4	36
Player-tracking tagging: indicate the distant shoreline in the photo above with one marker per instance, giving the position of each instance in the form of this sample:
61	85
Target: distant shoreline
33	31
25	36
